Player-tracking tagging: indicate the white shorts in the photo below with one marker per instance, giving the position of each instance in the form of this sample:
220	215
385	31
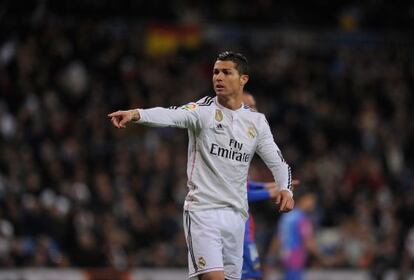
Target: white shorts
215	241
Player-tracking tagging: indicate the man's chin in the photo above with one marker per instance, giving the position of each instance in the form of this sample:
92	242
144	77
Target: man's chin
221	93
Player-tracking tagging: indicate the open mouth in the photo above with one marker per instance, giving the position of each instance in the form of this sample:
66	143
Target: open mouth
219	87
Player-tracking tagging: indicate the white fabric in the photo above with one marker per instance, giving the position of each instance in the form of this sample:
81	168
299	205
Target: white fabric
222	143
215	241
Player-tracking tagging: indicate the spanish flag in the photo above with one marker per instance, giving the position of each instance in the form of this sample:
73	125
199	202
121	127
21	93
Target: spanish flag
164	39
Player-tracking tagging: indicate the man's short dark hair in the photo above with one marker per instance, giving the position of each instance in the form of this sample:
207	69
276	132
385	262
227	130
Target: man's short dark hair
240	60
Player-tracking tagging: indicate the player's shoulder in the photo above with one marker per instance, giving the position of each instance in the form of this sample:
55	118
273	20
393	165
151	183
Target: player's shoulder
252	113
195	106
205	104
258	119
249	109
206	101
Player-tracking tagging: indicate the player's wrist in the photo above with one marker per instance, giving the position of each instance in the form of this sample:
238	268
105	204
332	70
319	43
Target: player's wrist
288	191
135	116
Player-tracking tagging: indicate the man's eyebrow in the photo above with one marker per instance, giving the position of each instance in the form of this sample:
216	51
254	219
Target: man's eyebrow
223	69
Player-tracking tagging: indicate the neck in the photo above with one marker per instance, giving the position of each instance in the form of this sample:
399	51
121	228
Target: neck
230	102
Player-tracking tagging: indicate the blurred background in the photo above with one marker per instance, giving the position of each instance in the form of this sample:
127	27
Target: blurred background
335	80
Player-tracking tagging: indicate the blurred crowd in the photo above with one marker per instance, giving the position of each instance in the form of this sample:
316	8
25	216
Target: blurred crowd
74	191
369	14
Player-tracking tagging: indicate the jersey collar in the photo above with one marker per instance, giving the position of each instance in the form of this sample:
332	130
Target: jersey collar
227	109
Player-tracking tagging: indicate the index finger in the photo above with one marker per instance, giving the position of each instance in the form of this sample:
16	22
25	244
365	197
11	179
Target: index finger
115	114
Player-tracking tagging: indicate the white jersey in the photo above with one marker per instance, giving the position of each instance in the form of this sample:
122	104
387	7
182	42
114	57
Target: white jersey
222	143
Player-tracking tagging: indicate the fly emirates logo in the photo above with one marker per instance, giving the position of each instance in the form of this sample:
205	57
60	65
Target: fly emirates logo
233	151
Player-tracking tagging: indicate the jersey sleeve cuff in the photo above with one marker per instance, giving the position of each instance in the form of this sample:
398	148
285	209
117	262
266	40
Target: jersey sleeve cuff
289	191
140	112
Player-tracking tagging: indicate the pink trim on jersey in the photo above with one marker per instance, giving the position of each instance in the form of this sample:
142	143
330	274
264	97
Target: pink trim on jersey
194	158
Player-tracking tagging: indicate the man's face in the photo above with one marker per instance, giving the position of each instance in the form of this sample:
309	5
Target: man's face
226	79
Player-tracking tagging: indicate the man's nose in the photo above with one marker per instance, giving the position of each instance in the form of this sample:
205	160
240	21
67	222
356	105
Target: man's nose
219	76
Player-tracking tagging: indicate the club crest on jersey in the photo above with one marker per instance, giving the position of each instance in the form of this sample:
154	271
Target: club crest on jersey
190	106
201	262
251	132
219	115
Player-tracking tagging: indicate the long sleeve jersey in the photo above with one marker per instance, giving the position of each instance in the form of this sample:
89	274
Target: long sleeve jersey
222	143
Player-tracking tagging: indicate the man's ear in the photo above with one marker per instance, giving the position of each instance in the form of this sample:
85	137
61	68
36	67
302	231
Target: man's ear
244	79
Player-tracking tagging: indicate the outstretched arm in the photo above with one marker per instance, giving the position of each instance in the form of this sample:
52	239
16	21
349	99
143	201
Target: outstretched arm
183	117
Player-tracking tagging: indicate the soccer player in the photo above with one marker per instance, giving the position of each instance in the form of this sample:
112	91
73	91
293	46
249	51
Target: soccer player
294	238
256	191
251	263
223	137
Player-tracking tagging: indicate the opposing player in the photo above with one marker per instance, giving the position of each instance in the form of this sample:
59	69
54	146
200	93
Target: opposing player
223	137
294	238
256	191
